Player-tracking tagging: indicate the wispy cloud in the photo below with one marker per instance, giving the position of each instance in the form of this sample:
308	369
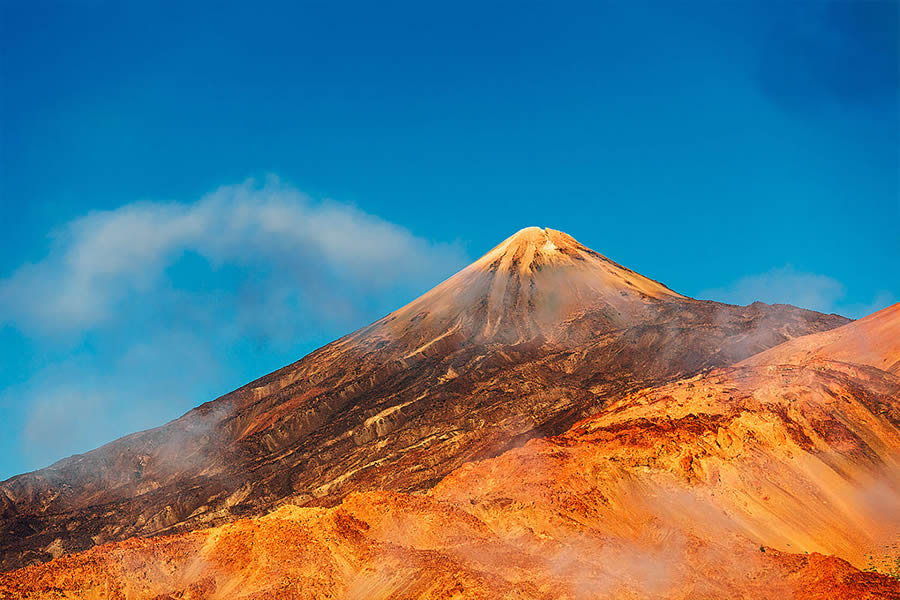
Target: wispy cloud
101	260
151	308
786	285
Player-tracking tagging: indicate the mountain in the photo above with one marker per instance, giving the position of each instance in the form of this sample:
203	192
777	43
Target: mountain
535	335
767	479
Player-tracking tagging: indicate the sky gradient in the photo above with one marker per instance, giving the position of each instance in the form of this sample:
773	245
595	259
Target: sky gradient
193	196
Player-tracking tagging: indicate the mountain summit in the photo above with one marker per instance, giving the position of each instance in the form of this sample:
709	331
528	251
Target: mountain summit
533	285
535	335
533	250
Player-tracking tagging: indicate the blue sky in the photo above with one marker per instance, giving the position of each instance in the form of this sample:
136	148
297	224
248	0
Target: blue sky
193	195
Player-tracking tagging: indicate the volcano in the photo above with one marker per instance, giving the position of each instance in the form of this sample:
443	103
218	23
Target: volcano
536	335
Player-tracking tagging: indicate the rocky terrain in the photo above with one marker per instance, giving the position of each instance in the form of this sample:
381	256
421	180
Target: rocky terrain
534	336
766	479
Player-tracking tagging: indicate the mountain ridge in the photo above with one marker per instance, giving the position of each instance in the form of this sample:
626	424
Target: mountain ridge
521	344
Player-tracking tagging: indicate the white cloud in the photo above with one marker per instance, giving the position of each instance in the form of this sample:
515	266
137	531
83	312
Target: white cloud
786	285
100	260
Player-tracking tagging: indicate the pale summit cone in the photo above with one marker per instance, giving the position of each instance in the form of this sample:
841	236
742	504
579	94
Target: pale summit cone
532	285
538	333
534	250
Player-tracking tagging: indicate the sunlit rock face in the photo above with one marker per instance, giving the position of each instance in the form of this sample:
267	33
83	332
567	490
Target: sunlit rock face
536	335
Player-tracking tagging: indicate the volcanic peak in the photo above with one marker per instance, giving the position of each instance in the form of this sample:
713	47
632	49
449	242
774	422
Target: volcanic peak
531	248
532	251
502	351
534	284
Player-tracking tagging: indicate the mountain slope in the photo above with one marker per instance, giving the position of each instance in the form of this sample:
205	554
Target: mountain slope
535	335
764	481
873	340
